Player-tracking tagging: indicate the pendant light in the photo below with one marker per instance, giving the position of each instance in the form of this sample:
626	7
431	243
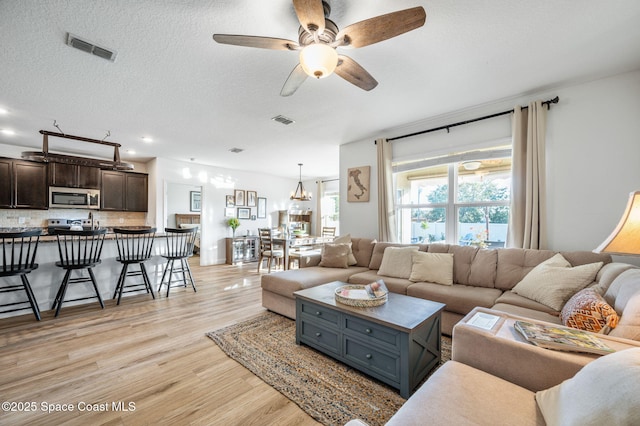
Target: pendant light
300	194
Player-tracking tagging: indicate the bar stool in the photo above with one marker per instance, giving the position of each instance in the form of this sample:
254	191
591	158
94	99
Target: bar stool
78	250
134	247
180	243
18	258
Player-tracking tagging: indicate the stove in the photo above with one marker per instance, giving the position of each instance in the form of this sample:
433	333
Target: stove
66	224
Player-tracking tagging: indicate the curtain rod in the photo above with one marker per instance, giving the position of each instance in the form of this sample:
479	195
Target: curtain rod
460	123
328	180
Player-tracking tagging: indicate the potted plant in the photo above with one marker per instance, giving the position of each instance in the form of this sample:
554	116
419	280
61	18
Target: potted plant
233	223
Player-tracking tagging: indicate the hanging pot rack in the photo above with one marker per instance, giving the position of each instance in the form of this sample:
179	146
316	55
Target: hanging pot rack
46	157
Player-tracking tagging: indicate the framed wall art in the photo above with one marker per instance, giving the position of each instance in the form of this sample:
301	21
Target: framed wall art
238	196
230	201
251	198
262	208
358	184
244	213
195	201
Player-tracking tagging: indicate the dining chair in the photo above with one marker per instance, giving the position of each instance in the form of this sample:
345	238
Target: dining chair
328	231
19	259
180	244
78	250
267	249
134	248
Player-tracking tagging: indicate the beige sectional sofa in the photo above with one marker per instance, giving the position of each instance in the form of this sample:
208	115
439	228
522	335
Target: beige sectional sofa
481	277
495	377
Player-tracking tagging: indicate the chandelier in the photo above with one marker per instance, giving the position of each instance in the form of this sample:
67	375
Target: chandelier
300	194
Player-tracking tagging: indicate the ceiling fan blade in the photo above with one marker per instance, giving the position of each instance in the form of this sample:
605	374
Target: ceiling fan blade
382	27
351	71
254	41
310	14
295	80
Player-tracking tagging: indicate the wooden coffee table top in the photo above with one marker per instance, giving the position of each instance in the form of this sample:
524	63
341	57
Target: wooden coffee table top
400	312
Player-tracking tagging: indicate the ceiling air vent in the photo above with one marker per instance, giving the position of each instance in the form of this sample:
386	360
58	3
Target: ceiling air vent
89	47
282	119
236	150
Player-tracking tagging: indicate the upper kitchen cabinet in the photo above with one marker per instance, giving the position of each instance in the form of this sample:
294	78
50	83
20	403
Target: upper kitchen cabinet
23	184
74	176
124	191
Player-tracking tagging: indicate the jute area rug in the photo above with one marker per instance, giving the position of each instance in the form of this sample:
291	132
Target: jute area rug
328	390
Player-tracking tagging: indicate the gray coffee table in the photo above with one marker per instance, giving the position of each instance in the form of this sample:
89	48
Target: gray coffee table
398	343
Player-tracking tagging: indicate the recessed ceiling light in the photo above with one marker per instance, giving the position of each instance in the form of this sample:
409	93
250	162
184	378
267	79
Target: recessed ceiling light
8	132
130	151
3	111
147	139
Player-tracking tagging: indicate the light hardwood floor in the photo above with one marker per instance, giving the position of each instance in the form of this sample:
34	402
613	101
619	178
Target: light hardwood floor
151	353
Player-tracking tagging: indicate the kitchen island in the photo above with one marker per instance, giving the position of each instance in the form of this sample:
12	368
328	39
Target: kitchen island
46	280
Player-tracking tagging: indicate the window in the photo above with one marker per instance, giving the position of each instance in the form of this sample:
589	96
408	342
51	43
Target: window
455	199
330	205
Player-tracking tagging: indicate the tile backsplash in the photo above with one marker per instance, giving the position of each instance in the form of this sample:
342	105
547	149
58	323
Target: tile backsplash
11	218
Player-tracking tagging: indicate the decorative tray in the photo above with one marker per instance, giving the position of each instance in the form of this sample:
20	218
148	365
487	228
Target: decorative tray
356	295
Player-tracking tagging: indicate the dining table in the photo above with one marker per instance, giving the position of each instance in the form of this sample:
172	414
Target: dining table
290	242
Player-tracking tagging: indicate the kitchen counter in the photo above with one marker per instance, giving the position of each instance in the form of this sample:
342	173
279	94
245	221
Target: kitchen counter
46	280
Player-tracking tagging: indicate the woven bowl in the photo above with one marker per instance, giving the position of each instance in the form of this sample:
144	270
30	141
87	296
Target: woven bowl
358	303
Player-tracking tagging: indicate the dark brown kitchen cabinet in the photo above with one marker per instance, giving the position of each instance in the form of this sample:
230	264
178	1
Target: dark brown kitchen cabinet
74	176
124	191
23	184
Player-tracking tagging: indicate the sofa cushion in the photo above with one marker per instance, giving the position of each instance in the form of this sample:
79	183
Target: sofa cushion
604	392
554	281
362	249
346	239
397	261
462	260
624	295
378	253
587	310
432	267
457	394
460	299
622	289
514	263
511	298
527	312
394	285
608	273
285	283
335	255
483	268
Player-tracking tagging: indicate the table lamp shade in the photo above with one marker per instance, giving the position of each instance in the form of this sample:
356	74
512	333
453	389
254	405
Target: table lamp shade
625	239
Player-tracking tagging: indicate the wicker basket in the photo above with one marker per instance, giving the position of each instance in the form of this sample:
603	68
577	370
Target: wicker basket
358	302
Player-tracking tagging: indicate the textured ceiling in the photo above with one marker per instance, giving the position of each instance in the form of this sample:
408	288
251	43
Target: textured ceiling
198	99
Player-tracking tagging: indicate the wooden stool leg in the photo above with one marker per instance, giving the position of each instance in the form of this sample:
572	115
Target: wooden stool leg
120	286
30	295
95	287
61	292
147	282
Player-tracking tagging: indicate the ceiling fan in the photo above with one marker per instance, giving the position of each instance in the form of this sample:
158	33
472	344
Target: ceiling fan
318	38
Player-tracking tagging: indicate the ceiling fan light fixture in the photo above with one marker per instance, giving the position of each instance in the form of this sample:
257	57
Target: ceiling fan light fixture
318	60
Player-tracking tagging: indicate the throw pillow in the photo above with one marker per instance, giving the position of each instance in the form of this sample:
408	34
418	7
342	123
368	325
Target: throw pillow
432	267
346	239
604	392
554	281
335	256
587	310
397	262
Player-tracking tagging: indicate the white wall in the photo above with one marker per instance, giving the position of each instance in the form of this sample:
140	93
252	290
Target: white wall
593	150
219	183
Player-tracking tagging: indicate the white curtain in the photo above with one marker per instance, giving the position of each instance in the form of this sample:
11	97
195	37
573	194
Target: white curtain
527	214
319	197
386	208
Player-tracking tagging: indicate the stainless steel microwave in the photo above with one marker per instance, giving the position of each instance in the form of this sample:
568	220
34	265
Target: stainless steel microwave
74	198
